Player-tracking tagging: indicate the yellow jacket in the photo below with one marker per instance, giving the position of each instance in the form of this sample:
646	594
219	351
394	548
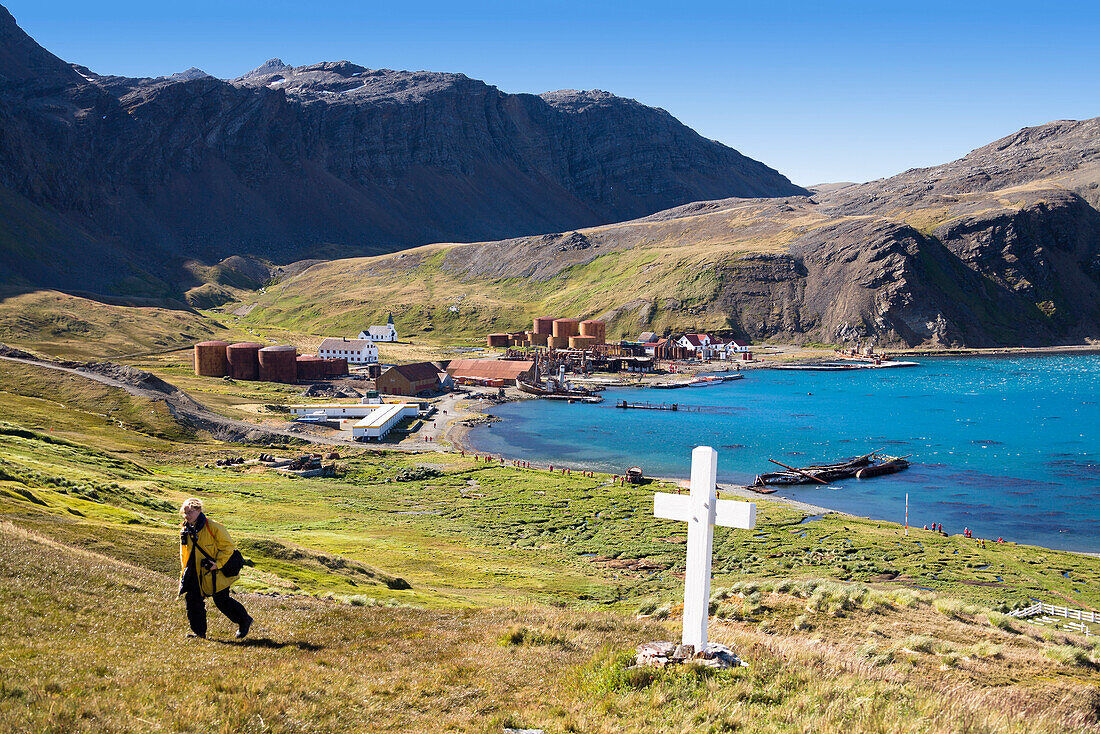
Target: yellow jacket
214	539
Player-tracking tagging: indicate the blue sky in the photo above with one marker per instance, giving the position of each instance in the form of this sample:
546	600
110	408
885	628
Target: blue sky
823	91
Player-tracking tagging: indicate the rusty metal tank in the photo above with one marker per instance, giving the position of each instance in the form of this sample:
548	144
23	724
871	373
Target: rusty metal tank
558	342
596	329
537	340
567	327
210	359
336	367
244	360
279	364
310	367
582	342
543	325
497	340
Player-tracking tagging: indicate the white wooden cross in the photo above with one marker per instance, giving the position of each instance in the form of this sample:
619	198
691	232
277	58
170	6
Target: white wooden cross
702	511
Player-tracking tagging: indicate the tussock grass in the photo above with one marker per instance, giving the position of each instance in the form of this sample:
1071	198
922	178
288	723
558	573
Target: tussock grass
954	608
1002	621
1070	655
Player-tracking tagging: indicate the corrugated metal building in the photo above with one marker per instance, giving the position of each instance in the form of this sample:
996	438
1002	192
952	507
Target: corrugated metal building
491	369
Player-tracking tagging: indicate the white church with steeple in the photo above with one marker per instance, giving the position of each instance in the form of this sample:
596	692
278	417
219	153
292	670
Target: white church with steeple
387	333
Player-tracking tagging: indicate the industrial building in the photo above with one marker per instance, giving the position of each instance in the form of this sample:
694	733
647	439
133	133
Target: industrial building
382	420
355	351
409	379
373	420
487	370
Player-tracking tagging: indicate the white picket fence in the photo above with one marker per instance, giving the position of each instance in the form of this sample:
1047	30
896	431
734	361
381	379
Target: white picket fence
1079	614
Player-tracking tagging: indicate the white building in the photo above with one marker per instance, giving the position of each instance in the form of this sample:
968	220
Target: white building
387	333
382	420
372	420
355	351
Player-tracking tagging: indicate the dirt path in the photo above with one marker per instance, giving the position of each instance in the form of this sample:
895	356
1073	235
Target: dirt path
183	406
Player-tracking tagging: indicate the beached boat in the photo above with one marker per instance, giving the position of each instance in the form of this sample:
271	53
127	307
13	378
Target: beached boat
866	466
891	465
556	388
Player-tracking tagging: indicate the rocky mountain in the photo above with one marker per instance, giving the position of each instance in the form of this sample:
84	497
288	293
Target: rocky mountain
1001	247
118	185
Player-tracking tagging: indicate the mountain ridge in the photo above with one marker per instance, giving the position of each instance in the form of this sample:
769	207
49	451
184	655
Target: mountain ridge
284	161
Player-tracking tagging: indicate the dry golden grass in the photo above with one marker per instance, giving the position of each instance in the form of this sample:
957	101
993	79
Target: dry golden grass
95	644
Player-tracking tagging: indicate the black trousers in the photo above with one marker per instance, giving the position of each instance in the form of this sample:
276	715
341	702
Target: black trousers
196	609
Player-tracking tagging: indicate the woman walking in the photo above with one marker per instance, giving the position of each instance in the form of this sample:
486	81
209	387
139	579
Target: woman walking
210	564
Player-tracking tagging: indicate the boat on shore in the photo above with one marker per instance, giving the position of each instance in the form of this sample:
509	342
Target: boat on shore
861	467
558	389
891	466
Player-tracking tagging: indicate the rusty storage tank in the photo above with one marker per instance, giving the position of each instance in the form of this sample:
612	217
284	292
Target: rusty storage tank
310	367
336	367
244	360
594	328
537	340
497	340
279	364
567	327
210	360
582	342
558	342
543	325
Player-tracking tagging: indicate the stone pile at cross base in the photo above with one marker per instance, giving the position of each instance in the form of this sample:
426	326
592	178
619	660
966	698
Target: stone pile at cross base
660	654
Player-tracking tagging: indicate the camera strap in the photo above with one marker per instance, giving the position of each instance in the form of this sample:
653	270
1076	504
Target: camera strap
213	573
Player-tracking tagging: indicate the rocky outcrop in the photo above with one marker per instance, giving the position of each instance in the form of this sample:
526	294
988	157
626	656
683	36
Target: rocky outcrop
114	182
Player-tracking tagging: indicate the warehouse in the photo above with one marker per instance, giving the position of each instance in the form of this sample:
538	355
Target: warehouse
485	370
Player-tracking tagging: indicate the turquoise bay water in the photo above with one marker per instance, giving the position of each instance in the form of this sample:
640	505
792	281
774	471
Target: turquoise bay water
1006	446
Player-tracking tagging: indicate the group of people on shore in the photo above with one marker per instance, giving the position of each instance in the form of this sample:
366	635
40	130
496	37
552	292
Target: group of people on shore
967	533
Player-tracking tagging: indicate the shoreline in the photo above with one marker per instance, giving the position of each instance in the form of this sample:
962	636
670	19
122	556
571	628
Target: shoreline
457	433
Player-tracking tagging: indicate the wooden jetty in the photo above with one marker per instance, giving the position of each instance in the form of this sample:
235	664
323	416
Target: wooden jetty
647	406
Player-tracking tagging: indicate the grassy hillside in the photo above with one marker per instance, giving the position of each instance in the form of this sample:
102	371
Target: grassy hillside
523	589
64	325
648	275
671	271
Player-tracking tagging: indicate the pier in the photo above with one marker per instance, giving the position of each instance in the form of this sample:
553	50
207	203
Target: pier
647	406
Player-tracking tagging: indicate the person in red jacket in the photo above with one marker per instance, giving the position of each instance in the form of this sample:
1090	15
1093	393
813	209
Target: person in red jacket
205	546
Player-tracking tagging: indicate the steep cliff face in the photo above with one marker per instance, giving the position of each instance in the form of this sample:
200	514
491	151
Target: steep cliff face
283	161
